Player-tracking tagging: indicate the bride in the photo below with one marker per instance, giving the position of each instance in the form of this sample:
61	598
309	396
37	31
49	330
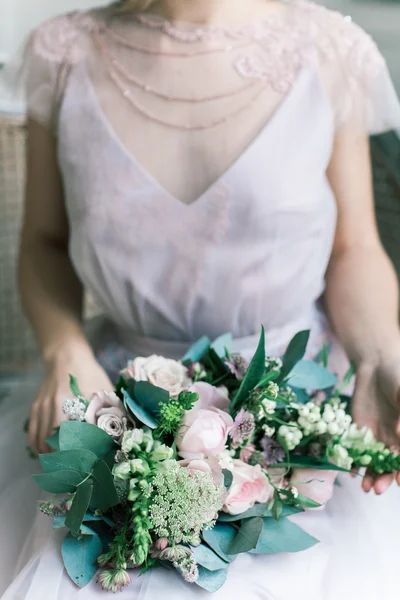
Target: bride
202	166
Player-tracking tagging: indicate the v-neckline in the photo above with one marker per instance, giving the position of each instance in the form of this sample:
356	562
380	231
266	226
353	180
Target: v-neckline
151	179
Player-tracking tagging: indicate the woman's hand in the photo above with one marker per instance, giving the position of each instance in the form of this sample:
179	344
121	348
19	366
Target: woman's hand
376	404
47	412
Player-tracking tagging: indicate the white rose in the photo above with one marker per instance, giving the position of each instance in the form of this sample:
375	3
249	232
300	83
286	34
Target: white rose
112	424
162	372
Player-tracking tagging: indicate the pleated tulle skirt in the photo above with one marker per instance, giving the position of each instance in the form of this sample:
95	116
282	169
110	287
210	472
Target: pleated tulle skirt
357	558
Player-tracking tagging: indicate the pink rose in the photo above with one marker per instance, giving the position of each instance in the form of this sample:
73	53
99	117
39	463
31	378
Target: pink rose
320	488
210	465
249	485
164	373
205	428
107	411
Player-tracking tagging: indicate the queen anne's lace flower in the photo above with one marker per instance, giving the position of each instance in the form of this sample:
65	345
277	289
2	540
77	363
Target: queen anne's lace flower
184	503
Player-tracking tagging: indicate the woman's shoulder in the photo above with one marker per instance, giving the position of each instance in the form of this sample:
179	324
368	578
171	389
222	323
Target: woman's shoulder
62	38
337	36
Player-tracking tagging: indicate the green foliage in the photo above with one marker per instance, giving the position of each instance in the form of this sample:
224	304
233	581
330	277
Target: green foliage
197	351
282	536
222	344
59	482
80	556
258	510
79	507
228	478
76	435
140	413
294	353
309	462
307	374
253	375
247	537
207	558
172	412
104	493
73	384
219	538
54	440
211	581
80	460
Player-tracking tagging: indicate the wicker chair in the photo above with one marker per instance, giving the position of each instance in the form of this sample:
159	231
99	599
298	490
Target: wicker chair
17	346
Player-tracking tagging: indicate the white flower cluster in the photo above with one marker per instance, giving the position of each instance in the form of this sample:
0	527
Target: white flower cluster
331	419
360	439
339	456
74	409
290	435
273	363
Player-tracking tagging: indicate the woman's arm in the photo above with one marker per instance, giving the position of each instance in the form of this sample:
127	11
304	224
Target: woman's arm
362	294
50	290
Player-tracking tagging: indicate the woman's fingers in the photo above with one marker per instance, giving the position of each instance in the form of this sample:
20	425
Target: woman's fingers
383	483
33	426
44	424
368	482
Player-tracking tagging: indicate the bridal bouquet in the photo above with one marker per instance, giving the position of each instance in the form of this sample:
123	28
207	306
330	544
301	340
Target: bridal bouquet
188	464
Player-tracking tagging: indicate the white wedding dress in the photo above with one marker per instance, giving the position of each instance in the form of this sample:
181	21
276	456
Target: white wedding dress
193	162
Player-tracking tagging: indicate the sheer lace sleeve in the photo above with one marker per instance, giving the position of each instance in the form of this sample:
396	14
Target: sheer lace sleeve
361	88
50	53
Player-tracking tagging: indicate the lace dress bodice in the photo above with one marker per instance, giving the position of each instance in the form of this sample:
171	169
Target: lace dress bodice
194	161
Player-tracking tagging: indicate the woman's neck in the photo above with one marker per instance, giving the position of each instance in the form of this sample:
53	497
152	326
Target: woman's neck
212	12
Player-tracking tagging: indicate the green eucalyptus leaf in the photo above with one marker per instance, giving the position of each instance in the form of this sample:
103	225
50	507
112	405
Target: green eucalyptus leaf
253	375
104	493
282	536
59	482
211	581
80	557
196	352
258	510
54	440
58	521
294	352
79	507
228	478
310	375
207	558
247	537
221	344
76	435
68	460
150	397
219	538
140	413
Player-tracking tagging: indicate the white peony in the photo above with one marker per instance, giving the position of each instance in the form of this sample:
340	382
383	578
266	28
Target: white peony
164	373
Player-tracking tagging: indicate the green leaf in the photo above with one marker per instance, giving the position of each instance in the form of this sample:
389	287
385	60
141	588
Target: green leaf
258	510
228	478
207	558
79	507
247	537
73	384
307	502
308	374
59	482
75	435
211	360
54	440
59	521
139	412
196	352
253	375
68	460
282	536
220	537
221	344
150	397
308	462
80	557
104	493
211	581
294	352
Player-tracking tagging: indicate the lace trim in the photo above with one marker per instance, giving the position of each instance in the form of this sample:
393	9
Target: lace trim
303	35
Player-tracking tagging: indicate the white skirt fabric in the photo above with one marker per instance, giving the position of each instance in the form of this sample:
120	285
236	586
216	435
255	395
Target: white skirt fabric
357	558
